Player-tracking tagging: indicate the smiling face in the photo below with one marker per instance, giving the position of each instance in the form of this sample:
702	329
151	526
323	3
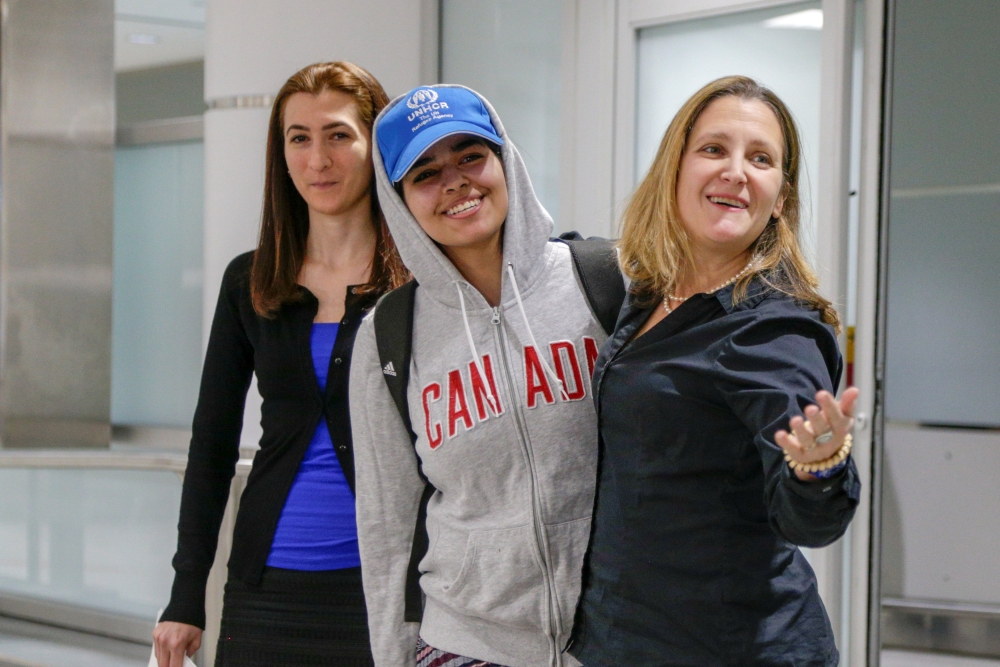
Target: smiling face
730	181
457	191
328	152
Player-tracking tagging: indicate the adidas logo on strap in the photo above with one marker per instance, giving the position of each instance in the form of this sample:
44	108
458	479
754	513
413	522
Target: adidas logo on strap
389	370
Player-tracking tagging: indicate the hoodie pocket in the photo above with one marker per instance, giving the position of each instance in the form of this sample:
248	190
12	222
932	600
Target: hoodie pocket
500	579
567	545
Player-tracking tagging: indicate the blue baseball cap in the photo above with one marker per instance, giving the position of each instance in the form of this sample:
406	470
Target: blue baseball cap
424	116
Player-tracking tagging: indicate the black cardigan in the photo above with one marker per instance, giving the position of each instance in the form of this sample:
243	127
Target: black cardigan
278	350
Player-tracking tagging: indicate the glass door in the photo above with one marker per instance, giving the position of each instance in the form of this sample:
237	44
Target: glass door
939	368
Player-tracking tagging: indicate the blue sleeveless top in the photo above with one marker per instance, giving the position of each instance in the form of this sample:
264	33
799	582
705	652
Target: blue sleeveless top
317	529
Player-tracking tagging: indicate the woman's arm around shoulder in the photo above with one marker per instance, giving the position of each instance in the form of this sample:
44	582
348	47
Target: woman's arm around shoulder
773	367
389	488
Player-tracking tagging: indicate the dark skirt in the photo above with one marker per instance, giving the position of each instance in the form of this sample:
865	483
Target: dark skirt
295	618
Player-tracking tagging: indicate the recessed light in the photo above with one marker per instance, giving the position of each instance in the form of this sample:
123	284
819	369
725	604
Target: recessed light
143	38
810	19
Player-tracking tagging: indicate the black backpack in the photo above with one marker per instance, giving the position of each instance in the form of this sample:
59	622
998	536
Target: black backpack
597	266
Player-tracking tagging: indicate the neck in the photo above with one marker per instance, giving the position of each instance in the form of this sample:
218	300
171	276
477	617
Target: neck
343	242
710	271
482	266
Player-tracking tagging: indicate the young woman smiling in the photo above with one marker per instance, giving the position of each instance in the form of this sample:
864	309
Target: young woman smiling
288	312
702	498
498	383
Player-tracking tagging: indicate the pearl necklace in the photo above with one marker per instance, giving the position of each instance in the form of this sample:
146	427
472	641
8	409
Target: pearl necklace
667	298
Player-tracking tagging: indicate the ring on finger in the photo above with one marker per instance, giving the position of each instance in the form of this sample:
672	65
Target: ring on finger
824	437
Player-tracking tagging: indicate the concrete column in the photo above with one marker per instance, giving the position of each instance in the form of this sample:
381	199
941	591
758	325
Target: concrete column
56	230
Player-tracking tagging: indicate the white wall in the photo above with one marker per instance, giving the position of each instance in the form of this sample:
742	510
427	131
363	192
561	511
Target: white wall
252	46
510	51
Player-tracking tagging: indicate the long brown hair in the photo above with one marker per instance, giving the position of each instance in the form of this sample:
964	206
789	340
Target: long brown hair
284	226
655	250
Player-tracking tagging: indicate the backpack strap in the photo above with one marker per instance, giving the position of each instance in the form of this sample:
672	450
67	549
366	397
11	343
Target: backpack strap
394	338
596	263
413	610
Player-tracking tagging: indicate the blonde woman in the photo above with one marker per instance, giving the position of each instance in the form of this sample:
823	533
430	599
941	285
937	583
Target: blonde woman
723	341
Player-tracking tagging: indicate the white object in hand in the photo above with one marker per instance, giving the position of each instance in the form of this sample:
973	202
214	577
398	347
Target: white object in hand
188	662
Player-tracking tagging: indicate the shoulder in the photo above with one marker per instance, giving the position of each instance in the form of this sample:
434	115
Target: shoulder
775	305
236	281
235	289
773	323
237	273
764	301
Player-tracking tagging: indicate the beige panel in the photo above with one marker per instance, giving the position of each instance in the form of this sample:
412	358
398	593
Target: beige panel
940	528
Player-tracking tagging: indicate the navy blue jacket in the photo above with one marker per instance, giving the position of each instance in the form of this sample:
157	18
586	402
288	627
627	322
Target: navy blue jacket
692	558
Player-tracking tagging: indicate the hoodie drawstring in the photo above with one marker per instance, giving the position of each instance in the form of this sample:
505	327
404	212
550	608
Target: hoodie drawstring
531	336
494	404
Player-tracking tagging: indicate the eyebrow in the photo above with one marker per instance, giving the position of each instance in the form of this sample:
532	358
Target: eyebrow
723	135
713	135
328	126
457	148
420	163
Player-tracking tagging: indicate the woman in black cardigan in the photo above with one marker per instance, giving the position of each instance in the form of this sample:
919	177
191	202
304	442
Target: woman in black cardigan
288	312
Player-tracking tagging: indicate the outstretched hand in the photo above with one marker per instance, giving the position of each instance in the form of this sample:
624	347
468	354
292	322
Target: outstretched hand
830	416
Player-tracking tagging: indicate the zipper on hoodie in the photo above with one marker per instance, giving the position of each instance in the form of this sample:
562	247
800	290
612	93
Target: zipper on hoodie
536	519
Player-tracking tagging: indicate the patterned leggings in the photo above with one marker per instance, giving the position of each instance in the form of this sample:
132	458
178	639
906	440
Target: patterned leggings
428	656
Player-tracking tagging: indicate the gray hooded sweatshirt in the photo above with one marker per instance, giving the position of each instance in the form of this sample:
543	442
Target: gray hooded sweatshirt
512	454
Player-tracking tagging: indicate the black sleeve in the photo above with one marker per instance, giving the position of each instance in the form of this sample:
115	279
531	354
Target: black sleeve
773	368
214	450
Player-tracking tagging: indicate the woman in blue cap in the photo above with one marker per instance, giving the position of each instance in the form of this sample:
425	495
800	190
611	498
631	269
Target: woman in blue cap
503	424
503	343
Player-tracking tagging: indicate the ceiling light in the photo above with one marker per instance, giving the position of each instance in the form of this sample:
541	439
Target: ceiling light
143	38
810	19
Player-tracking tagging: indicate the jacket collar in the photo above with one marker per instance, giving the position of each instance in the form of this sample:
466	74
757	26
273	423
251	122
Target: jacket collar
757	291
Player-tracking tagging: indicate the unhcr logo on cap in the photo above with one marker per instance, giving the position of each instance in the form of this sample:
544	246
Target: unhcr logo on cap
421	97
425	107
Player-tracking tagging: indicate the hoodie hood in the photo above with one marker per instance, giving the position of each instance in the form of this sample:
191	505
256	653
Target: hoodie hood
526	230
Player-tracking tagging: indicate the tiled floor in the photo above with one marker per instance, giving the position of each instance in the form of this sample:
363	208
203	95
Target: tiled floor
908	659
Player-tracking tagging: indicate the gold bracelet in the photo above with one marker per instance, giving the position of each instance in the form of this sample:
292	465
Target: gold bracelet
833	461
